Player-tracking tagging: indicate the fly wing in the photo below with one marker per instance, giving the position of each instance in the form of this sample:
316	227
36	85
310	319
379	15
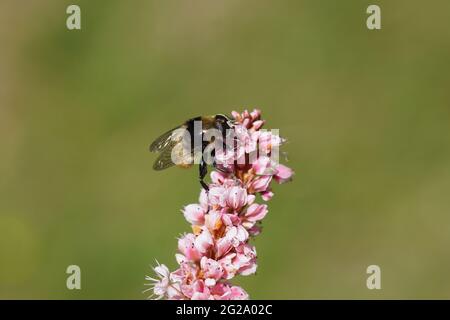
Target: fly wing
164	160
164	140
174	149
176	153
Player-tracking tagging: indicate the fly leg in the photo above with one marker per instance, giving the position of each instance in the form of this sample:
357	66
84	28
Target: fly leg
203	170
220	168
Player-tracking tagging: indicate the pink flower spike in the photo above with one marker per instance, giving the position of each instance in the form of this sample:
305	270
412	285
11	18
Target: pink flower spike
226	217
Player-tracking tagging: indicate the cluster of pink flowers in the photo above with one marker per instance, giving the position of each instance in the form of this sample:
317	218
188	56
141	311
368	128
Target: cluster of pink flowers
224	220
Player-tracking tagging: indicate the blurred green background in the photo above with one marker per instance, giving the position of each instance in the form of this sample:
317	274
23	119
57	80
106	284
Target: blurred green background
366	113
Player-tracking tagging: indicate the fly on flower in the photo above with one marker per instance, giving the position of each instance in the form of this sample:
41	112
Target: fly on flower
190	142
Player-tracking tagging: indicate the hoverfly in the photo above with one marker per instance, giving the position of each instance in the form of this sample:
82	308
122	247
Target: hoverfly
174	149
